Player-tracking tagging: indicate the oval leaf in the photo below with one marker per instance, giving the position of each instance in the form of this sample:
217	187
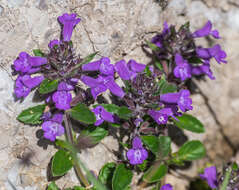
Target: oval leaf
90	137
82	113
189	123
38	52
122	178
164	146
52	186
124	112
191	150
48	86
155	174
152	143
61	163
32	115
106	174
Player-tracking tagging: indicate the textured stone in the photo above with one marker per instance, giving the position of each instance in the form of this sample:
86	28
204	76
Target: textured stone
116	28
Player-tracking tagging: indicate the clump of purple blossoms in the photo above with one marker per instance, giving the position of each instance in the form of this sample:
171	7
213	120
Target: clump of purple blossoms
137	154
181	57
210	174
60	65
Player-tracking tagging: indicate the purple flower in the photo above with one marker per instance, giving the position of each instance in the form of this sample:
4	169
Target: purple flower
102	115
138	121
137	154
161	116
25	83
64	86
53	127
166	187
203	69
218	53
101	84
205	31
128	71
182	98
103	65
69	21
26	64
210	174
203	53
158	39
53	43
62	100
182	69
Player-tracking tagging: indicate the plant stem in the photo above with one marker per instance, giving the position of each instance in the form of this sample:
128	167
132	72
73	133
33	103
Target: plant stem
69	137
226	179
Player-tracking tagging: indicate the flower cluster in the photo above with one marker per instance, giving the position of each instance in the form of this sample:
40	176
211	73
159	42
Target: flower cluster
151	99
185	58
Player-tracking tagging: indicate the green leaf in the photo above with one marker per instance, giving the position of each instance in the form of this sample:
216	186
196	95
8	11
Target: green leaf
124	113
122	178
152	143
106	174
88	58
61	163
91	136
195	60
154	174
191	150
189	123
166	87
52	186
235	166
147	71
152	46
143	166
79	188
164	146
48	86
111	108
83	114
159	65
38	52
32	115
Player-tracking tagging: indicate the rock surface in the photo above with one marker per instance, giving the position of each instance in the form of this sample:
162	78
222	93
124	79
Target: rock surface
116	28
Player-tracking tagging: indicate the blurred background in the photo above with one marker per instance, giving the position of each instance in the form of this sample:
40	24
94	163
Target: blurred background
115	28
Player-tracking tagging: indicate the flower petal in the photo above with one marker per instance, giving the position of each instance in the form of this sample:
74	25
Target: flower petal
122	69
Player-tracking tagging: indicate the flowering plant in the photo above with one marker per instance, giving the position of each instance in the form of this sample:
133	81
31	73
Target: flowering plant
152	100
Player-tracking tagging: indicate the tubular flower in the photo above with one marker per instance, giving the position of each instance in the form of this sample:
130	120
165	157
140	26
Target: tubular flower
205	31
210	174
128	71
53	127
62	97
137	154
25	83
69	21
101	84
182	98
102	115
26	64
103	65
182	69
161	116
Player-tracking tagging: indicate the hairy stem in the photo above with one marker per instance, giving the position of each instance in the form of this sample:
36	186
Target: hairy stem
69	137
